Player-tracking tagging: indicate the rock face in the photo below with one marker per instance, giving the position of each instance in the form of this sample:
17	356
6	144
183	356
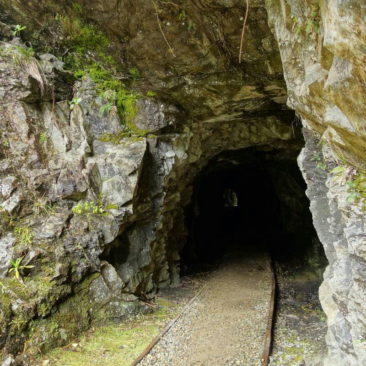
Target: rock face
321	45
100	213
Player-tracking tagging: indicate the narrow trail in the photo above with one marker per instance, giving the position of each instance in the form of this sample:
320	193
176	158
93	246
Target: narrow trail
227	322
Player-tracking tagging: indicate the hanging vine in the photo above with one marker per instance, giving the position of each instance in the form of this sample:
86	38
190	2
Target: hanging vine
243	32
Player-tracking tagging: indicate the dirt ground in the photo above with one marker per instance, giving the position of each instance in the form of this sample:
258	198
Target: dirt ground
226	324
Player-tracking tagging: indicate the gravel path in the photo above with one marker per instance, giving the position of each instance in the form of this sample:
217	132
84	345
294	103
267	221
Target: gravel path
226	324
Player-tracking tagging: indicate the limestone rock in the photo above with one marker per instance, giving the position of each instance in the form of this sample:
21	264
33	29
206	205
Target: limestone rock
119	169
153	116
111	278
9	361
96	122
7	186
6	247
343	238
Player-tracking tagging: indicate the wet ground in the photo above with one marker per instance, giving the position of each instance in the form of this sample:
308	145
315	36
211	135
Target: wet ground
300	327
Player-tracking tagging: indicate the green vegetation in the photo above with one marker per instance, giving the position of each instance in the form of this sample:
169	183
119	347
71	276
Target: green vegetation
115	344
43	137
134	72
19	322
6	143
88	55
107	109
42	207
338	170
26	52
356	182
182	16
312	23
17	268
357	189
95	208
24	234
7	221
150	93
320	164
24	55
18	29
74	102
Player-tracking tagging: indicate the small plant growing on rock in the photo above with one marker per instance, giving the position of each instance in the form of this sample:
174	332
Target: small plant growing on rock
134	73
18	29
7	220
320	164
17	268
18	322
24	234
150	94
338	170
106	109
313	22
94	208
357	190
73	102
311	25
41	206
43	137
356	183
24	55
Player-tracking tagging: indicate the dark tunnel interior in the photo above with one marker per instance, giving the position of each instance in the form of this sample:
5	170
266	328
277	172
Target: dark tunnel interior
250	198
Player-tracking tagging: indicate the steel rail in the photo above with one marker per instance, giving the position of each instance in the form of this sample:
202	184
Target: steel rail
268	338
156	340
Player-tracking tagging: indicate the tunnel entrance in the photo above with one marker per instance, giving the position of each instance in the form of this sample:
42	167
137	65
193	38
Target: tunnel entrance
248	205
253	197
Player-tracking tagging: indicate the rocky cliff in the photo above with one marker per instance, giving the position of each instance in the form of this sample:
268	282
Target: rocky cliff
322	51
110	110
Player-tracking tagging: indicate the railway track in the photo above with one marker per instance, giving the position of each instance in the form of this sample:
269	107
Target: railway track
223	323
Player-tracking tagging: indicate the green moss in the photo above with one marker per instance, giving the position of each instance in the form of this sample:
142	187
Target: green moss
124	136
15	289
23	234
115	344
19	322
114	93
68	322
6	298
7	221
88	55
